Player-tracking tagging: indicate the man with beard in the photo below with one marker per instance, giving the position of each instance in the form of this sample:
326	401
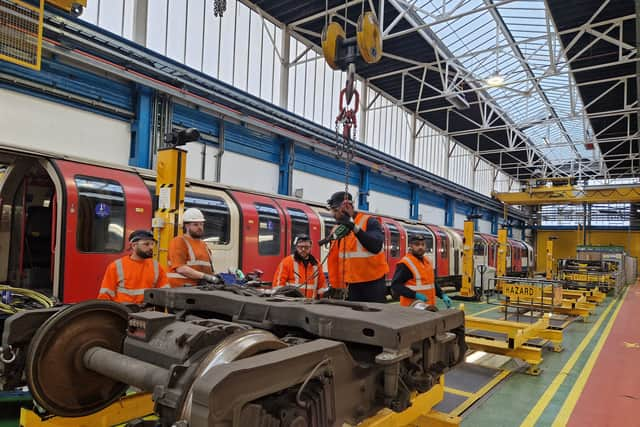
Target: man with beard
126	278
190	260
301	269
356	259
414	278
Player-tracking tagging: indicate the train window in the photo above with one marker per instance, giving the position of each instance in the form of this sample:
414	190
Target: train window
329	223
428	238
268	229
394	241
217	226
299	223
478	247
101	211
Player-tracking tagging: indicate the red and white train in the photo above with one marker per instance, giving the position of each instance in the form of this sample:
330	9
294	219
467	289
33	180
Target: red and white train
63	220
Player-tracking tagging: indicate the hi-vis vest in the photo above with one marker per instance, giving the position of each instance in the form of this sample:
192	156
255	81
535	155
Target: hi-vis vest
305	281
422	281
129	293
206	266
349	262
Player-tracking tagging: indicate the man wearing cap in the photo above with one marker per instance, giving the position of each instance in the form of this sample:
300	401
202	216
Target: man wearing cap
414	278
301	269
356	260
190	260
126	278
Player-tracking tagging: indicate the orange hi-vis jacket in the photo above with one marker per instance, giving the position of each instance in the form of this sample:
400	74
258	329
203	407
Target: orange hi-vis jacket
309	280
126	279
183	250
422	281
349	262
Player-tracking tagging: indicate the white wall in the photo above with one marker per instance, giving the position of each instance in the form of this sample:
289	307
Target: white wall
31	122
431	215
484	226
195	159
246	172
458	221
317	188
382	203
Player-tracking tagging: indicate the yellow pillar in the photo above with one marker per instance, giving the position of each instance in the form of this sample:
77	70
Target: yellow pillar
550	259
501	267
170	184
466	290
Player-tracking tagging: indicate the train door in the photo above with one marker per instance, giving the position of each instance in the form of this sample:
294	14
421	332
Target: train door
222	226
516	260
263	233
480	251
29	201
442	251
395	244
100	207
327	222
301	219
508	256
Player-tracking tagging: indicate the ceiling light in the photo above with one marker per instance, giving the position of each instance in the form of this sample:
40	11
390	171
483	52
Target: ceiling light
495	80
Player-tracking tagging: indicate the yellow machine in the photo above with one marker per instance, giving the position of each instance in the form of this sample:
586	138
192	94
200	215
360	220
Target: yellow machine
501	263
170	192
467	291
550	259
75	7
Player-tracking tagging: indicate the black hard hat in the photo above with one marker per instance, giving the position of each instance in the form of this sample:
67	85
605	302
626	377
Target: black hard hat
417	238
301	238
140	235
337	198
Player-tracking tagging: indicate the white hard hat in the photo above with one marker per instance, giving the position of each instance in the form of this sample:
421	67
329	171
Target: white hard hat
192	215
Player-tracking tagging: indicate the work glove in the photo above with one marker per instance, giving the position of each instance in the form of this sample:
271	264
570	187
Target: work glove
421	297
347	222
446	300
210	278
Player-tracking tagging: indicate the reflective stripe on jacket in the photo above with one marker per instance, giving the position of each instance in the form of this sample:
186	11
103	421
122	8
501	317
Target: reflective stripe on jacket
193	253
350	262
294	273
126	280
422	281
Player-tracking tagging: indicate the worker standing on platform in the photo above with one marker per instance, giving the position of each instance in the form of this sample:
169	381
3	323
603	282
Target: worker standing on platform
414	278
126	278
356	260
190	260
301	269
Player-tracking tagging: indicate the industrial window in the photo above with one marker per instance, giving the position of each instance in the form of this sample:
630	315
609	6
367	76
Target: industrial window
217	226
299	223
394	241
428	237
268	229
101	215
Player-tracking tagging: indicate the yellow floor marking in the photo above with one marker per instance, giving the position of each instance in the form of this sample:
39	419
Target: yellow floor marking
631	344
478	394
576	391
485	311
562	375
458	392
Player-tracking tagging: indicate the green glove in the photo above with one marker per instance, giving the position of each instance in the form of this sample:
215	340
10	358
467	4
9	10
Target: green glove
421	297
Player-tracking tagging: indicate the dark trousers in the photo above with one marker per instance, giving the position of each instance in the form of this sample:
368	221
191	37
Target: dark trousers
374	291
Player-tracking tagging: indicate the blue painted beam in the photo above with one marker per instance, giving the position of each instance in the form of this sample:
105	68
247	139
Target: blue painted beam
365	186
140	154
494	224
414	204
449	212
287	156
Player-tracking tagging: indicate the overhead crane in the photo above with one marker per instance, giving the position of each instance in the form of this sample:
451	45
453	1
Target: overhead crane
555	191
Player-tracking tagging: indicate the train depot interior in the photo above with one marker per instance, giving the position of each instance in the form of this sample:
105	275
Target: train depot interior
494	142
